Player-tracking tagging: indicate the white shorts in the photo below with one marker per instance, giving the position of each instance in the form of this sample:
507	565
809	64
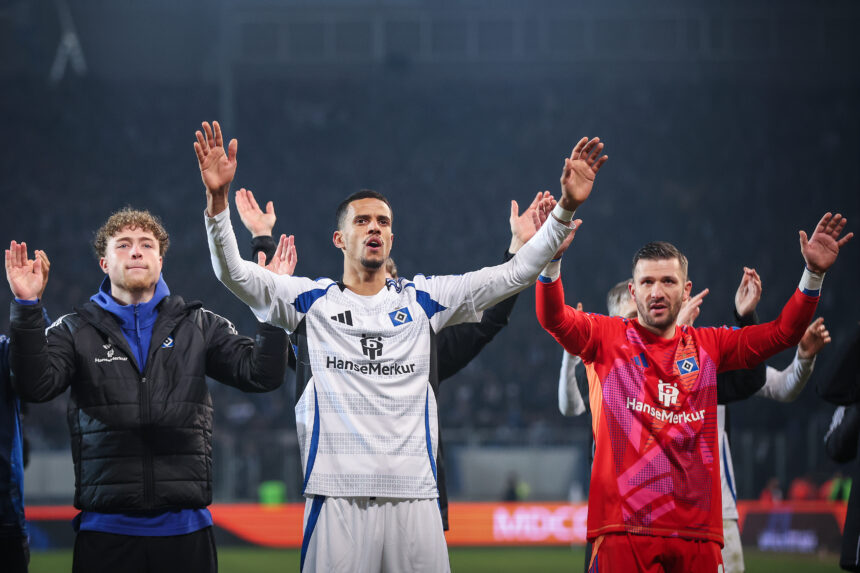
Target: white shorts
733	553
373	535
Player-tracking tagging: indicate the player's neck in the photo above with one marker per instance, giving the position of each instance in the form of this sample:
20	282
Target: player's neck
362	280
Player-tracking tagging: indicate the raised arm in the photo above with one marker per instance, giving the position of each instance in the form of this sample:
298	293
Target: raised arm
787	384
577	181
280	258
42	363
752	345
733	385
458	345
271	297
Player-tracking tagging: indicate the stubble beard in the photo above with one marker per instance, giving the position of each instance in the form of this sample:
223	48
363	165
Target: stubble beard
660	324
138	285
372	264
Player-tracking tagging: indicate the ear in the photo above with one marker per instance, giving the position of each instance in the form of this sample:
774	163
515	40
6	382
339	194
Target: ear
337	239
688	287
103	265
632	290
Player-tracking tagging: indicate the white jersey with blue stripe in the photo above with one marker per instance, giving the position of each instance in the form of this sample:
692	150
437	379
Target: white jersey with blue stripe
366	419
366	415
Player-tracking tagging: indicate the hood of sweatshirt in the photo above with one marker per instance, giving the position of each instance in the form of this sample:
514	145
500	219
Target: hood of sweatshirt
135	320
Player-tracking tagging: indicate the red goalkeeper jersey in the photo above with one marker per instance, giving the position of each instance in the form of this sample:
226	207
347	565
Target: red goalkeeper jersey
654	412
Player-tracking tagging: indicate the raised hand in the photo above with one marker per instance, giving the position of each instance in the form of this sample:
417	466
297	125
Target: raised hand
748	293
260	224
580	169
285	259
525	225
217	165
821	250
814	339
691	308
26	277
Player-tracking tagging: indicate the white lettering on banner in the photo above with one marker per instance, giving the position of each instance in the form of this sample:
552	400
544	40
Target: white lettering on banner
664	415
566	523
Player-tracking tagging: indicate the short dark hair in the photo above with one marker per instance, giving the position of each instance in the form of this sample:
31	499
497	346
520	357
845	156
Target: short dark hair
617	296
133	219
363	194
659	251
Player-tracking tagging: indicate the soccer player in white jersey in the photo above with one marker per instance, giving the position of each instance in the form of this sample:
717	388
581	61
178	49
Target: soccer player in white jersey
366	419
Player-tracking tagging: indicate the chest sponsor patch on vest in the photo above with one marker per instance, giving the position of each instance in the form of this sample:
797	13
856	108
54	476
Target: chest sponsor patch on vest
110	355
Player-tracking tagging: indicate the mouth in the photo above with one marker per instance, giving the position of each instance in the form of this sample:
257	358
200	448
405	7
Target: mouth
658	307
373	243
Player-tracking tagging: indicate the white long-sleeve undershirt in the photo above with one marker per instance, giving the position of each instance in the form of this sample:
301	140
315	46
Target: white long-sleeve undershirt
258	287
787	384
570	401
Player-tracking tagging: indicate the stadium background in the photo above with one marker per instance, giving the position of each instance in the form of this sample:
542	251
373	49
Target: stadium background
729	126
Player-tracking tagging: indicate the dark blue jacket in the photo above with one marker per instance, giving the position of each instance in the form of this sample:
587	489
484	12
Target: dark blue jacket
12	522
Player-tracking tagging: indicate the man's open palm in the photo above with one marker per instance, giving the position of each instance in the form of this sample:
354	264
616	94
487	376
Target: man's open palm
217	165
821	250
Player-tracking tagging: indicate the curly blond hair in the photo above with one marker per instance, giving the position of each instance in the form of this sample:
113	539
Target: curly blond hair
133	219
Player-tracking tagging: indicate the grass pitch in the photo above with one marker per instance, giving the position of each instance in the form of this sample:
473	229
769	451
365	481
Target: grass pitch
471	560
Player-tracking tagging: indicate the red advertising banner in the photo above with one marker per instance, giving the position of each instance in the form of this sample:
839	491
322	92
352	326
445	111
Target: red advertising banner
797	526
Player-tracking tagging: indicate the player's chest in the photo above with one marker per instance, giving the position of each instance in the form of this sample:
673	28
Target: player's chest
668	376
375	331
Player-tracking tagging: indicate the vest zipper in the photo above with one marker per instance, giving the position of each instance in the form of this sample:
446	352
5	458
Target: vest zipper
148	470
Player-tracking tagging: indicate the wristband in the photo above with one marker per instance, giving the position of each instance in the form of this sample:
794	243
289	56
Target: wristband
561	214
550	272
810	282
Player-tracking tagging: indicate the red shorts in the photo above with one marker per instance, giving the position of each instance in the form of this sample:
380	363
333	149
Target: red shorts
626	553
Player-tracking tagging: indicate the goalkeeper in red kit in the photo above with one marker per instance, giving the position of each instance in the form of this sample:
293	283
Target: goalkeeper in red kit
654	503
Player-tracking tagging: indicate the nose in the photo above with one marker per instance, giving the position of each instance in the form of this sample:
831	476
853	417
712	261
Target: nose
136	251
373	227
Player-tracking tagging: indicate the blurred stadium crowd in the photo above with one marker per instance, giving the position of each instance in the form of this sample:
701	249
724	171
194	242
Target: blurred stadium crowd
730	172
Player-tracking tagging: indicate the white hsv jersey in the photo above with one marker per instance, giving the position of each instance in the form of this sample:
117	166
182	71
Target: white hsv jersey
366	418
727	470
366	413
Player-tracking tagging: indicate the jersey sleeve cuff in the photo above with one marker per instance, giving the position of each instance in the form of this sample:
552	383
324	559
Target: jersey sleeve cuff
810	283
551	271
562	214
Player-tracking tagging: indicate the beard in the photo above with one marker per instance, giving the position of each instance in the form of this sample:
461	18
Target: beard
138	283
661	323
372	263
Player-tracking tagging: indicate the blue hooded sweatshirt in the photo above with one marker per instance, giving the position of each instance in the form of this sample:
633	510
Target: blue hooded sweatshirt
136	323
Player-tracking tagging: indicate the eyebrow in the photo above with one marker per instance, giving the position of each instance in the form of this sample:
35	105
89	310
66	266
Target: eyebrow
369	216
127	238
